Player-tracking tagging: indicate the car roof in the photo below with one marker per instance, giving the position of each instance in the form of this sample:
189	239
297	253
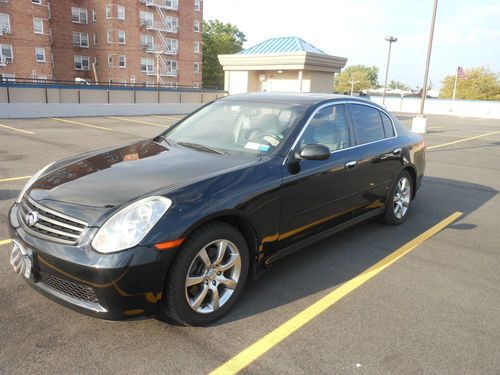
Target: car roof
302	98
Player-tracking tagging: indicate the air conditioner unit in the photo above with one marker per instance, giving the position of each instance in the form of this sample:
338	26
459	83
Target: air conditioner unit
145	46
3	61
145	22
4	29
76	44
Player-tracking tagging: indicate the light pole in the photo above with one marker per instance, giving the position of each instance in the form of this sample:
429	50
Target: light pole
391	40
419	124
352	82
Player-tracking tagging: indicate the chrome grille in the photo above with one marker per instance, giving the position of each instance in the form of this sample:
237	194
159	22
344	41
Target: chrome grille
51	225
69	288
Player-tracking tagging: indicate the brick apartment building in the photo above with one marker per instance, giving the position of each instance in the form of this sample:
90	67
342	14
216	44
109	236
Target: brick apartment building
123	41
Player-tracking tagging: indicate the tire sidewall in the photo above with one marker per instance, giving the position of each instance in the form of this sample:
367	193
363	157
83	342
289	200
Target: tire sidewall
177	278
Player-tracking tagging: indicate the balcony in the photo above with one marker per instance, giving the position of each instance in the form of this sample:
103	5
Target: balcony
164	4
163	72
161	26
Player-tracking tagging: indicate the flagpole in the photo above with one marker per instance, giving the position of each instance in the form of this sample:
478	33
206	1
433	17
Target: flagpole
454	89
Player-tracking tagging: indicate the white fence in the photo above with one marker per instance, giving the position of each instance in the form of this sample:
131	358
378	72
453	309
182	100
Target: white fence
465	108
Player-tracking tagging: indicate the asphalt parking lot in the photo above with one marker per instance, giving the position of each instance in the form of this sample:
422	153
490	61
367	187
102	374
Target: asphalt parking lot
434	310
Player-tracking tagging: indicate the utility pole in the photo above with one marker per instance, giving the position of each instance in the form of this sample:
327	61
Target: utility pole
419	123
157	55
391	40
352	82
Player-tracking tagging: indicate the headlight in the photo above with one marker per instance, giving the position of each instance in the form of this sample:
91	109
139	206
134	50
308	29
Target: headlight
30	182
127	227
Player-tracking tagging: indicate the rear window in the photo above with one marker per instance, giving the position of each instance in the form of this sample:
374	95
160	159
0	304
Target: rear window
388	128
367	123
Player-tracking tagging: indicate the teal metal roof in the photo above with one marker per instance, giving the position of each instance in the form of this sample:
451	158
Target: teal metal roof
281	45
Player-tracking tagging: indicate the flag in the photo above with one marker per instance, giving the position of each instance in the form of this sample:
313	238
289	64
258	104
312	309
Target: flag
461	73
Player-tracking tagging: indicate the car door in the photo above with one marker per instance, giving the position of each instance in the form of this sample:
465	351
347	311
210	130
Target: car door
379	156
318	194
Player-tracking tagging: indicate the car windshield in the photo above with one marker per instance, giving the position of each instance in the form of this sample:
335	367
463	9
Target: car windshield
234	127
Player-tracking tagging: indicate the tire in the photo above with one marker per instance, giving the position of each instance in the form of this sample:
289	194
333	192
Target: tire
216	282
402	192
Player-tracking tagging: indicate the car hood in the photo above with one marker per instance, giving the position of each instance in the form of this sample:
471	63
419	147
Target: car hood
109	178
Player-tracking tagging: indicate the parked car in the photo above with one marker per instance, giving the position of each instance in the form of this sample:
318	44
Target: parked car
176	224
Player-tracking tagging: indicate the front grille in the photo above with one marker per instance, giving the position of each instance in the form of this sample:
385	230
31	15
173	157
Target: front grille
68	288
51	225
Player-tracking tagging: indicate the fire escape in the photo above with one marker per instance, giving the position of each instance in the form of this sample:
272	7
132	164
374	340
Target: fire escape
167	46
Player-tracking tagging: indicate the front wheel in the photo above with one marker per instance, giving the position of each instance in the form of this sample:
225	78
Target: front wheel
399	200
207	276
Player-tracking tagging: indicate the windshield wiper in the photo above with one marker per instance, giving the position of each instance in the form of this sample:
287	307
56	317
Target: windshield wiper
199	147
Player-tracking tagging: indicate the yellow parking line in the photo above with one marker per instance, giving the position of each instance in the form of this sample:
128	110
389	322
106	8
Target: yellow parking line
254	351
15	178
15	129
5	242
168	117
80	123
463	140
137	121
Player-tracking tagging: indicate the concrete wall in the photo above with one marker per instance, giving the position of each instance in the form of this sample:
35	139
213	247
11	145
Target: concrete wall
54	100
465	108
19	110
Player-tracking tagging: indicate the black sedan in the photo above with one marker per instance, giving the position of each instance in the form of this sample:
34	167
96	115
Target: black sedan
175	225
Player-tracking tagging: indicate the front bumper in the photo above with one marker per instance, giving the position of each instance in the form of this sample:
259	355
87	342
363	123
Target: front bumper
124	285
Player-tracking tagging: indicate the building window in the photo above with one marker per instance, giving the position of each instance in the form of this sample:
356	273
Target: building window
122	61
147	42
4	23
7	77
110	61
110	37
172	68
197	47
108	12
79	15
120	12
95	39
41	78
197	5
94	15
38	25
80	39
39	2
197	68
121	36
147	65
196	85
146	19
172	46
6	55
82	62
40	54
172	23
197	26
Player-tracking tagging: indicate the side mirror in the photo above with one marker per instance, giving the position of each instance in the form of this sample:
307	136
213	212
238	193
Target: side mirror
313	152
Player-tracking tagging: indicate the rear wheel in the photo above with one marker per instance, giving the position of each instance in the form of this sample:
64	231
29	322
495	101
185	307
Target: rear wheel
399	200
207	276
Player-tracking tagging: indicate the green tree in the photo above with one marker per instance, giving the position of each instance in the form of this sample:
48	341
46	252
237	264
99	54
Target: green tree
398	85
478	84
218	38
364	77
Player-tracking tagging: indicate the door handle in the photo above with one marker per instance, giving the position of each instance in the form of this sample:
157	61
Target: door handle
350	164
397	151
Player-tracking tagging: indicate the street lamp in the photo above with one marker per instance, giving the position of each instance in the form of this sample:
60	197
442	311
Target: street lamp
419	123
391	40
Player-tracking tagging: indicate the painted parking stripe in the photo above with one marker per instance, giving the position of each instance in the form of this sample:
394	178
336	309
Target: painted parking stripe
5	242
254	351
80	123
15	129
463	140
137	121
169	117
14	178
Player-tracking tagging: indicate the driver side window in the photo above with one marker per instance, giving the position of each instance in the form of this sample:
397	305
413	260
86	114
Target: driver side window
328	127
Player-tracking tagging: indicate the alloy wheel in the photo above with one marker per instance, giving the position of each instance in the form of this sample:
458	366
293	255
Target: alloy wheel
213	276
402	198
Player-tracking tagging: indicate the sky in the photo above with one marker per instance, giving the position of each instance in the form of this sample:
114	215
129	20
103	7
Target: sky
467	33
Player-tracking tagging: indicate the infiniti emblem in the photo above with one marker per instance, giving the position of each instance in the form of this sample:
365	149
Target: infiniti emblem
32	218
